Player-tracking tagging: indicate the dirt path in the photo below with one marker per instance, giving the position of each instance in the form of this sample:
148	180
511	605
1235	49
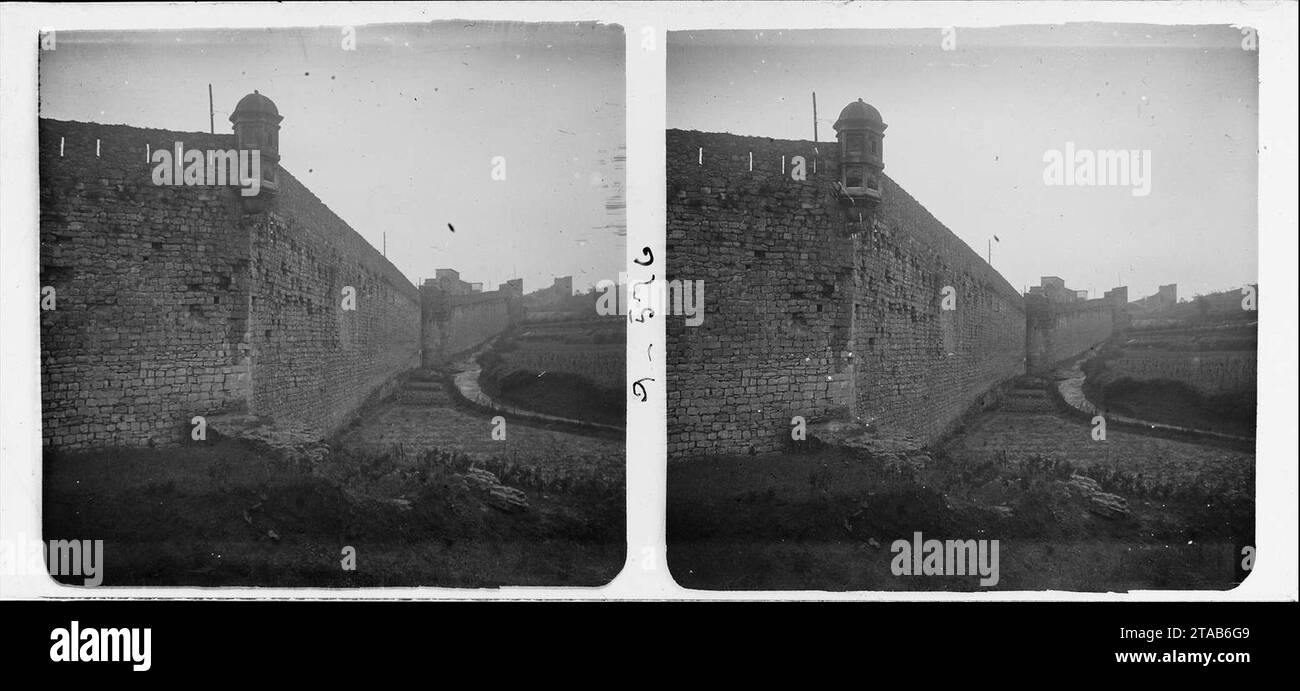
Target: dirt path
423	416
1014	436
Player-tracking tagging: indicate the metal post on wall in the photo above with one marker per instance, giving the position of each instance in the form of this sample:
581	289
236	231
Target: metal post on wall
814	117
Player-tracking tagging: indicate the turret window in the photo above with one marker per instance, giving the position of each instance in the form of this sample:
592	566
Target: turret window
853	144
854	176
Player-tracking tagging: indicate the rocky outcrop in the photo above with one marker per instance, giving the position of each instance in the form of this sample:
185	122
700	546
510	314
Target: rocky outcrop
1103	504
870	442
294	443
497	495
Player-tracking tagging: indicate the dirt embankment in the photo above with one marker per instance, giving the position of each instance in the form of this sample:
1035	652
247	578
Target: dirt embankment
826	520
569	369
1200	379
221	515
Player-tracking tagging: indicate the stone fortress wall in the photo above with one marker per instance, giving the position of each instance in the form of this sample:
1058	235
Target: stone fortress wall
777	268
814	311
164	300
152	284
833	295
175	300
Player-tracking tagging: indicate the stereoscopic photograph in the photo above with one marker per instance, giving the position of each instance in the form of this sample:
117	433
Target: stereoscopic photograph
979	308
319	305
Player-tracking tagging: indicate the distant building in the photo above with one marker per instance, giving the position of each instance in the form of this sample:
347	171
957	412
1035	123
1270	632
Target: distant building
1119	296
448	280
1053	288
554	297
1165	298
563	286
514	286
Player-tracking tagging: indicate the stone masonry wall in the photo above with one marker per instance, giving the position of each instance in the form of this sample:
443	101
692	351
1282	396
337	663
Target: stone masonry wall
1061	331
176	301
315	363
777	271
150	325
810	312
453	324
921	367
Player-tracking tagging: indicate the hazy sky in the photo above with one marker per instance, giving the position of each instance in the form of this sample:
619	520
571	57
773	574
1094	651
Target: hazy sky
398	136
968	128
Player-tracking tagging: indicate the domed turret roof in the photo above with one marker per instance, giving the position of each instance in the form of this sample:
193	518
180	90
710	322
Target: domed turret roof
859	114
256	104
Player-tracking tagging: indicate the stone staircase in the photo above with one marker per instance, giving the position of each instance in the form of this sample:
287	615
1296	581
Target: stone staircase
422	388
1027	395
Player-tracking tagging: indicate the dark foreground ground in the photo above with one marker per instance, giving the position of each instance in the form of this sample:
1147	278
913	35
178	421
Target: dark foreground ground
417	511
223	516
825	519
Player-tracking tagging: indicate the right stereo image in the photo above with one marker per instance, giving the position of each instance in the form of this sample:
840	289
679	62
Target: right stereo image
976	309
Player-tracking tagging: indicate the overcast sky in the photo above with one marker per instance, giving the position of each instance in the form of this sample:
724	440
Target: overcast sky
968	129
398	135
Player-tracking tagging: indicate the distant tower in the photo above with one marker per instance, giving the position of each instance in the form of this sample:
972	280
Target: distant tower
861	133
257	127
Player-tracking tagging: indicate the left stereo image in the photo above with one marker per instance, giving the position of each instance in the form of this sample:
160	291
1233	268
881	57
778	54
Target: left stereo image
321	307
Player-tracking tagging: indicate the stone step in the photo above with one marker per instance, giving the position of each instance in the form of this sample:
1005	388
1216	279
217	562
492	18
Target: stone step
422	375
421	396
1026	406
422	385
1026	400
